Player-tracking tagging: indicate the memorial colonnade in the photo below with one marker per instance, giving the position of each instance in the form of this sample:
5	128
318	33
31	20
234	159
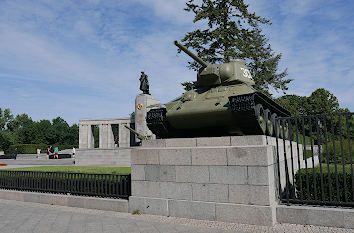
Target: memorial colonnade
108	130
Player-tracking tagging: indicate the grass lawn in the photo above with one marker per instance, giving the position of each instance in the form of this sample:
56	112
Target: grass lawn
81	169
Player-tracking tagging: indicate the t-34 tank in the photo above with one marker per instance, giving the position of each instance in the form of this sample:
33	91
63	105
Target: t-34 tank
223	103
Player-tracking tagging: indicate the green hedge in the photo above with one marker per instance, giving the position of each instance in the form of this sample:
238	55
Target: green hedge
32	148
336	151
326	183
26	148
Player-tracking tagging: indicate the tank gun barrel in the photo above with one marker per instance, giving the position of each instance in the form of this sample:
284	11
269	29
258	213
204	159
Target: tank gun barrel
192	55
138	135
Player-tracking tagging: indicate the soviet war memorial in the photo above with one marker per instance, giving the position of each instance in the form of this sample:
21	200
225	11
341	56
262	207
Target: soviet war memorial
176	116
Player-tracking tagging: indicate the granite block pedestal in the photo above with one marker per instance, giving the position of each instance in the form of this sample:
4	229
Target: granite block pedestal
231	179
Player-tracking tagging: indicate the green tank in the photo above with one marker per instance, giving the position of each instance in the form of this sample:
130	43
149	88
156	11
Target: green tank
223	103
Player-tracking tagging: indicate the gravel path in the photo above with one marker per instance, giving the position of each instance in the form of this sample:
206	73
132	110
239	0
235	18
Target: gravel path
25	217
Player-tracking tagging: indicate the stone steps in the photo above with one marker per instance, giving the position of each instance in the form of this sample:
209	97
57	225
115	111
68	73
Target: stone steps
103	157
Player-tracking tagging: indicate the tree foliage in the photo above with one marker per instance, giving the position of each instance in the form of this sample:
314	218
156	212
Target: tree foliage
234	32
321	101
23	130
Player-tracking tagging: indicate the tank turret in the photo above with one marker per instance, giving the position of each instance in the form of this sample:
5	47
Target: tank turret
233	72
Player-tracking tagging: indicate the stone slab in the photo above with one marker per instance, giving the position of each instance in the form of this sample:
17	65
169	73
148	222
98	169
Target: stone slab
213	141
228	174
181	156
144	156
210	193
321	216
248	140
154	206
209	156
260	175
160	173
146	188
177	191
192	209
252	194
181	142
138	172
157	143
246	155
246	214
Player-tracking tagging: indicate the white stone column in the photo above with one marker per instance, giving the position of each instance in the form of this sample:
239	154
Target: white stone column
103	137
110	136
142	103
90	138
124	136
83	141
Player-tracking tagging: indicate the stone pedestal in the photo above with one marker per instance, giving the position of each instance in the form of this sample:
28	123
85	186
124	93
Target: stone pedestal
230	179
142	103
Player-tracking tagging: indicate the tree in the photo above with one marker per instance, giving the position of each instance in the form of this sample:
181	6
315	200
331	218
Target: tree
5	140
5	117
23	129
60	130
322	101
233	31
44	132
296	105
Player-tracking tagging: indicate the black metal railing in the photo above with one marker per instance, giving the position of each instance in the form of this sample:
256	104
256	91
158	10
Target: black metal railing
87	184
315	160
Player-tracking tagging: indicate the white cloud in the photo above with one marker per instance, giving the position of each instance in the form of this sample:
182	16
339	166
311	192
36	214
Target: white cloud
171	10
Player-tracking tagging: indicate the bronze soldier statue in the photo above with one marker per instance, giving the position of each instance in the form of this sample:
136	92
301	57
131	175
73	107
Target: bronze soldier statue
144	83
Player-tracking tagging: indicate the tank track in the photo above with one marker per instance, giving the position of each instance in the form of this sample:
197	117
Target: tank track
243	106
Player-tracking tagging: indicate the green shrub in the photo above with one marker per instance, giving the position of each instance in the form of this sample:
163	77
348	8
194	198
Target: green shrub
334	152
136	212
326	184
26	148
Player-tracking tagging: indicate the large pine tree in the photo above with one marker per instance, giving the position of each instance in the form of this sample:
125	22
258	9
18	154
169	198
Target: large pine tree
234	32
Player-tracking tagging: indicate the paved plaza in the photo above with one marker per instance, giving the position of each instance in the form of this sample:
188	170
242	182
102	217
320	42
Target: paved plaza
23	217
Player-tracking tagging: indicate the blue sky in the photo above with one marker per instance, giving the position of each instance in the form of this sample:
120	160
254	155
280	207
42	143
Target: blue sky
82	59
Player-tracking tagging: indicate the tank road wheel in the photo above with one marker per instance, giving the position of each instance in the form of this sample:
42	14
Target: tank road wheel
268	118
281	135
261	118
276	126
286	130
